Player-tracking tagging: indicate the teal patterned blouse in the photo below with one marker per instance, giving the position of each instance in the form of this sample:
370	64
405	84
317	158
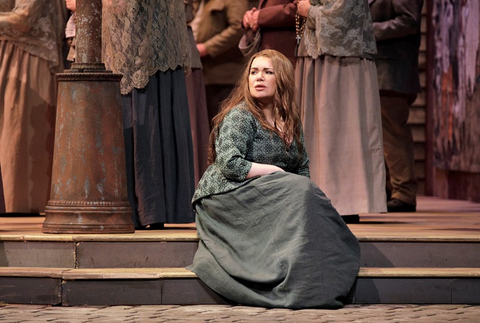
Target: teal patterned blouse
241	141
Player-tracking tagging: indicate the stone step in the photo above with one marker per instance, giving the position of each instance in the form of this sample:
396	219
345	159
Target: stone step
442	253
160	252
174	273
91	251
179	286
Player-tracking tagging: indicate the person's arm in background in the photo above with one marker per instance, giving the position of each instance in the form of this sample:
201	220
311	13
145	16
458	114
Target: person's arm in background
21	19
275	16
408	14
230	36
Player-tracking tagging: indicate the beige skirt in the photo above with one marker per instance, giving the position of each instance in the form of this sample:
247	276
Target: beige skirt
27	124
341	117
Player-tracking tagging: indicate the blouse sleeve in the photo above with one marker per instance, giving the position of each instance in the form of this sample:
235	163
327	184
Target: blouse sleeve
304	169
233	141
406	22
230	36
21	19
339	28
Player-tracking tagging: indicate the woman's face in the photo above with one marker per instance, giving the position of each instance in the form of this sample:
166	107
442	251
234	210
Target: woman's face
262	80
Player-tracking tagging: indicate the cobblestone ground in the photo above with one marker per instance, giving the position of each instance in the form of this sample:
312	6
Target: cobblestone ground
217	313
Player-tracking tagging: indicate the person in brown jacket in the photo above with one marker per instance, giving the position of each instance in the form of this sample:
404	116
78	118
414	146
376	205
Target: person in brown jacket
276	20
396	25
217	28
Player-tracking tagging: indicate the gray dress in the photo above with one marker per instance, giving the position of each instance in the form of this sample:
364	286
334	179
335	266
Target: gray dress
273	240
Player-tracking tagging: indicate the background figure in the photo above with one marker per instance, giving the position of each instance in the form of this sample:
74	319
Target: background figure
269	236
217	28
31	36
276	18
396	24
70	29
149	47
197	101
338	95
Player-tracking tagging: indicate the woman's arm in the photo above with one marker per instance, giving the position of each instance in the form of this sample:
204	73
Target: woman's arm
406	21
304	168
262	169
21	19
230	36
234	140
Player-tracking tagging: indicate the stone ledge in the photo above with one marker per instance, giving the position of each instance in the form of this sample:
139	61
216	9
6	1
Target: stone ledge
169	273
154	236
419	272
97	273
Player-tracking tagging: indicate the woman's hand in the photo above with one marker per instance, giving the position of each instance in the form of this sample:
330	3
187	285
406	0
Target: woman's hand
254	21
262	169
202	50
247	18
302	7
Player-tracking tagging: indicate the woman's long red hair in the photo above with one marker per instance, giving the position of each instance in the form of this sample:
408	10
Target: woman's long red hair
285	109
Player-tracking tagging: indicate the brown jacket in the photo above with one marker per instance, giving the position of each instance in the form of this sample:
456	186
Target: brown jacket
276	19
396	25
220	31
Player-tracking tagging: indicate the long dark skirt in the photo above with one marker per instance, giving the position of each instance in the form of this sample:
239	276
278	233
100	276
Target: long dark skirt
276	242
158	149
198	120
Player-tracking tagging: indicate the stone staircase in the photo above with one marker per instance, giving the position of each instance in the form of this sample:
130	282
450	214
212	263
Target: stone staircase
150	269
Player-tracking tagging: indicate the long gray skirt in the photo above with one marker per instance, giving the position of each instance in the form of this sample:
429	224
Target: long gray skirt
276	242
342	123
158	149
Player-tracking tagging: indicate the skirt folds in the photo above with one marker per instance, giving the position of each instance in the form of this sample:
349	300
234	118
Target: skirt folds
276	242
158	149
341	117
27	129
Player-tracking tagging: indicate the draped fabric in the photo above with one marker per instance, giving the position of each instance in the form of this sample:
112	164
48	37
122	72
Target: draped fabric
31	35
158	149
277	241
343	131
139	39
197	102
35	26
339	28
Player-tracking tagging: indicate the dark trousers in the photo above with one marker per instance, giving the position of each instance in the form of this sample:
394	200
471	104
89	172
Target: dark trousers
398	146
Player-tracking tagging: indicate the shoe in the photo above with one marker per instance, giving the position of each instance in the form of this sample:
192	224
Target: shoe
153	226
157	226
395	205
352	218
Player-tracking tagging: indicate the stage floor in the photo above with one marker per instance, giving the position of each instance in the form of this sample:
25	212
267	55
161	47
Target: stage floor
435	220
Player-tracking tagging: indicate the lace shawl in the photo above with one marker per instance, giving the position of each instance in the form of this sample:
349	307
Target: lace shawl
141	37
35	26
339	28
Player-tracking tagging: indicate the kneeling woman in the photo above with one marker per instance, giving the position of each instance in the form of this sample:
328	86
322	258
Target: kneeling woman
269	236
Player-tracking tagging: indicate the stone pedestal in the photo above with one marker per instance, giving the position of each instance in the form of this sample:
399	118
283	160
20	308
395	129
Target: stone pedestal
89	190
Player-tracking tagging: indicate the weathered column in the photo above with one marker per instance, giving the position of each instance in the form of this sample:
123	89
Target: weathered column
89	190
